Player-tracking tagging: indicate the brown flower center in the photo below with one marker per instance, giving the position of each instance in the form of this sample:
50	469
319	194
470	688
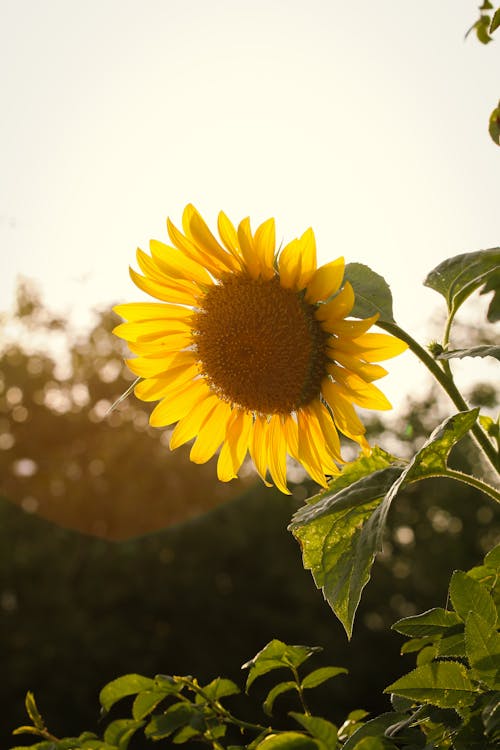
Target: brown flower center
260	345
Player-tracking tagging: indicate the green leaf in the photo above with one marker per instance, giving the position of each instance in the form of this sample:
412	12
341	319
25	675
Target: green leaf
185	734
494	131
321	675
443	683
276	655
483	649
217	689
373	729
175	717
493	281
495	21
129	684
147	701
492	559
120	732
32	711
456	278
341	532
467	595
372	293
433	622
279	689
473	351
319	728
415	644
451	645
288	741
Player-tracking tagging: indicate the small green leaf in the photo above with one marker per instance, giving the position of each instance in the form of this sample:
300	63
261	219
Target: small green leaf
175	717
442	683
277	655
433	622
473	351
129	684
456	278
288	741
372	293
220	688
483	649
147	701
32	711
494	131
467	595
279	689
321	675
492	559
319	728
185	734
120	732
415	644
495	21
374	729
426	655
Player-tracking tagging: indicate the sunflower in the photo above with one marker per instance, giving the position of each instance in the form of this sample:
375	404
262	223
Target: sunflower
249	350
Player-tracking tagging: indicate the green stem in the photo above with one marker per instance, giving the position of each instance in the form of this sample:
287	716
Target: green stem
466	479
300	691
447	383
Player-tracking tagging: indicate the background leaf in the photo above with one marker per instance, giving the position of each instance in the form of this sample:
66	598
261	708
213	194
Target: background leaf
435	621
277	655
321	675
473	351
372	292
456	278
483	649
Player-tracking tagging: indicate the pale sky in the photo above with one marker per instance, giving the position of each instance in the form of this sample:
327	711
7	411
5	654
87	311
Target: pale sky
366	121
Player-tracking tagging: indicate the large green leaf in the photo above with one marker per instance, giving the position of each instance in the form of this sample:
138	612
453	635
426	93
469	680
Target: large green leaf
288	741
441	683
467	595
482	644
319	728
120	732
375	728
339	536
473	351
372	293
456	278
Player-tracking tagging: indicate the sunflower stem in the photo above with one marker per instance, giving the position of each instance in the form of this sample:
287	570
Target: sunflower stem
447	383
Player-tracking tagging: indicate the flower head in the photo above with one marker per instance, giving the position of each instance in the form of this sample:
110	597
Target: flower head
250	350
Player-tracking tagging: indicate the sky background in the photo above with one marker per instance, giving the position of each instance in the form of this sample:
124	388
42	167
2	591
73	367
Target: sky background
366	121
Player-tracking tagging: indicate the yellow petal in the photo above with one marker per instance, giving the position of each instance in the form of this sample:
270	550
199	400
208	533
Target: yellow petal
289	265
350	329
196	228
166	384
277	453
258	446
307	258
147	367
135	311
170	410
290	429
229	236
235	445
197	254
327	461
325	281
376	346
246	242
177	264
344	414
149	330
367	371
328	429
190	425
307	451
165	292
359	391
339	307
151	270
211	434
264	245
